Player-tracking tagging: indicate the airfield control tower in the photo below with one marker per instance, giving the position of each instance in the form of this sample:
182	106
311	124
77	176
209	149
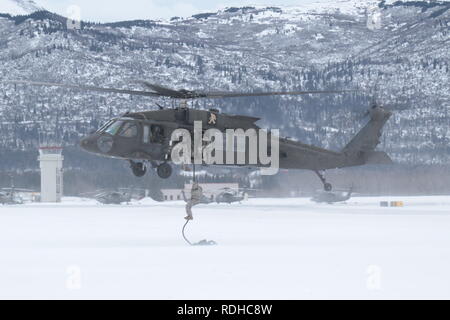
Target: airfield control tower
51	163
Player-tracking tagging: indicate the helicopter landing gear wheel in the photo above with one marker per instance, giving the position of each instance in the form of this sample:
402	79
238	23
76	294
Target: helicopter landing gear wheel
139	169
326	186
164	170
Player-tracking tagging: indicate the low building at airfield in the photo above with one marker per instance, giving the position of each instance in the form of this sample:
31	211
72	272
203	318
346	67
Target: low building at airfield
210	190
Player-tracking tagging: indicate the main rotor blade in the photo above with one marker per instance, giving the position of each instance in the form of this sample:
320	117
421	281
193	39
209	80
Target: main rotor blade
163	91
218	95
160	91
85	88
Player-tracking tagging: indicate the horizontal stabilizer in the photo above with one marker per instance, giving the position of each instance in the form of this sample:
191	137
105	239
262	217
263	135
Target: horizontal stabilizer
378	157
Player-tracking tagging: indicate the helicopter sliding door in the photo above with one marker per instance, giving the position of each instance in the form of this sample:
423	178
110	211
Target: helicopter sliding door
152	141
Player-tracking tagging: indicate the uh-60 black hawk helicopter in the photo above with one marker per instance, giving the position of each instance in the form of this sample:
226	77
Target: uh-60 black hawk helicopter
145	137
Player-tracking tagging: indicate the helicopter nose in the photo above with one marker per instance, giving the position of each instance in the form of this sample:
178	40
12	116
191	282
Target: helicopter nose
97	143
89	144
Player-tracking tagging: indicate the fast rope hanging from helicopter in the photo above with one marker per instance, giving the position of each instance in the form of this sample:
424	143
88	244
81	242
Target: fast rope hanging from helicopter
188	219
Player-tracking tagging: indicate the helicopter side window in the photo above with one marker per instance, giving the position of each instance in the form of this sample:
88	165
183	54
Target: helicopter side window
129	130
114	128
157	134
146	134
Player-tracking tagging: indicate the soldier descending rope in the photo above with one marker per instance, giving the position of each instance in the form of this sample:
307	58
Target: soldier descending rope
196	196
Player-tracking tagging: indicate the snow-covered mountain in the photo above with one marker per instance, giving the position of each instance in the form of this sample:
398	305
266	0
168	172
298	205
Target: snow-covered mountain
396	51
18	7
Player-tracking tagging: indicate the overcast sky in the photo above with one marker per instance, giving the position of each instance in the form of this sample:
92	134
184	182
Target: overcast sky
114	10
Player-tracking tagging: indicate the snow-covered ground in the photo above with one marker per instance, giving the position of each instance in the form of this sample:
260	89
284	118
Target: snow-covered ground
267	249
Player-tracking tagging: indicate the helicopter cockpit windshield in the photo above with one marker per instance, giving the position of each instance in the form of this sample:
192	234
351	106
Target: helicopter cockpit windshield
112	128
106	125
122	127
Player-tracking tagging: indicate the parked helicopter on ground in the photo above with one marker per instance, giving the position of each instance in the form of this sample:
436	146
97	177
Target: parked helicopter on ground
230	196
145	137
13	195
8	198
120	196
113	197
331	197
